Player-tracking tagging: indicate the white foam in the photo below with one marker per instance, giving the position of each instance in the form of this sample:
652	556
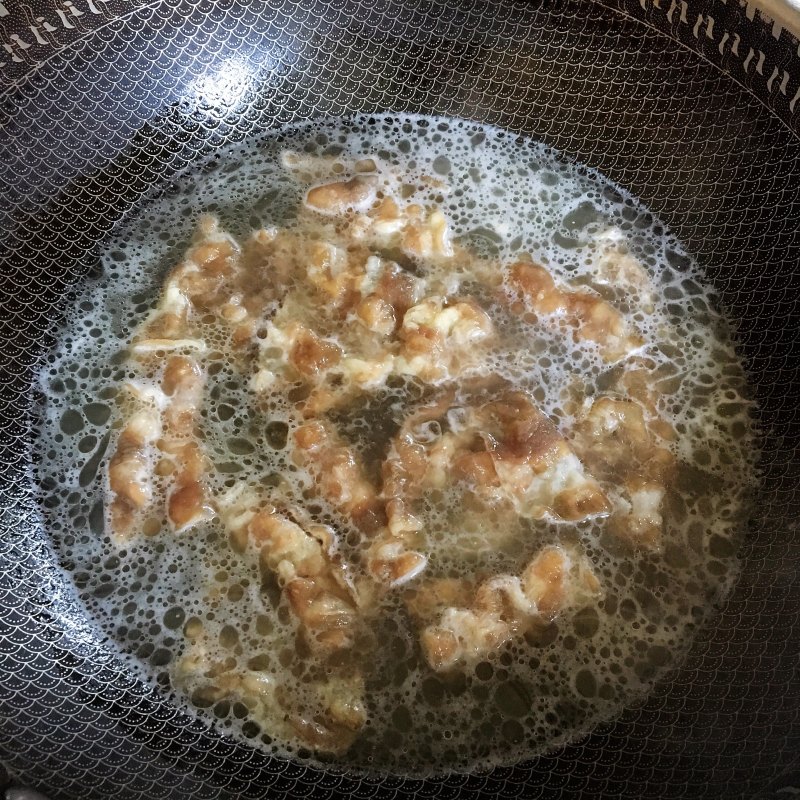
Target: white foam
506	197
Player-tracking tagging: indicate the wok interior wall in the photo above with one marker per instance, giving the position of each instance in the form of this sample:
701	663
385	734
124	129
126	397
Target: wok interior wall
89	133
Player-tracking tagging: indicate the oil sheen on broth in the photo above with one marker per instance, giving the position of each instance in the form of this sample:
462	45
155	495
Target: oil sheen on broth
429	509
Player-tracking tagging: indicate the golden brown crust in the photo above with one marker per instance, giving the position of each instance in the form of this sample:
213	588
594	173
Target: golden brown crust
622	442
366	293
592	318
466	626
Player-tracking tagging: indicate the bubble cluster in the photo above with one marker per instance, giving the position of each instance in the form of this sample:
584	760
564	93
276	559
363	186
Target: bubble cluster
505	196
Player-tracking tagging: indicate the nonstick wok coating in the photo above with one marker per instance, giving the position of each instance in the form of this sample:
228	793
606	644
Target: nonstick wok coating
689	105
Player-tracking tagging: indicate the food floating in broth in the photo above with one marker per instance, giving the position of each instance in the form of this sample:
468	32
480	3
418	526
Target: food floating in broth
412	483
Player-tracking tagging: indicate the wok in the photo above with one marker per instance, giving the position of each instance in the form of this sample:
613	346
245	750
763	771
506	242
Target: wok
692	106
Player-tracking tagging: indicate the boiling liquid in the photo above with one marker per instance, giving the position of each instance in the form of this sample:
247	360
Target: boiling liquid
507	197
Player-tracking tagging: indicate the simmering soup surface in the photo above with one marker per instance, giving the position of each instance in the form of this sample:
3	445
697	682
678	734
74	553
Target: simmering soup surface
399	443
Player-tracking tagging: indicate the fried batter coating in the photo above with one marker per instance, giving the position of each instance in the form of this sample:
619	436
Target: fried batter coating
366	291
324	714
623	446
314	577
590	317
504	446
462	625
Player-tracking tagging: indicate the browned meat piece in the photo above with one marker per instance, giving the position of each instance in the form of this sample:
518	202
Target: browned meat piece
262	277
334	716
339	197
534	463
619	270
399	288
377	315
335	271
392	562
315	579
340	479
199	283
311	355
188	501
217	277
592	317
438	338
503	447
427	236
325	715
338	473
429	598
406	475
502	607
622	447
161	441
182	383
130	471
508	455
